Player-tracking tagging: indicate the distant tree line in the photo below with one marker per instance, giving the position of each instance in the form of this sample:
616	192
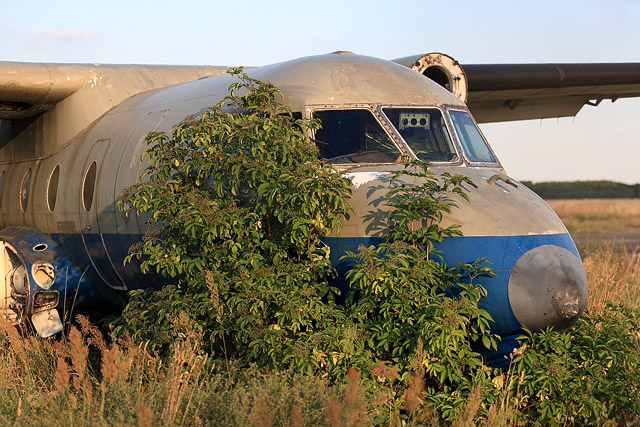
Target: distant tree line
584	190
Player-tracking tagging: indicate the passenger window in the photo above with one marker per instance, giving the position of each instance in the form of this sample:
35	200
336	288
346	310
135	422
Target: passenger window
88	187
1	188
473	144
52	188
353	136
424	131
24	190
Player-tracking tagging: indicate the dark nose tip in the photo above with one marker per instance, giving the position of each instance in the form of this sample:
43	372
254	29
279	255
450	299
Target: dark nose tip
548	287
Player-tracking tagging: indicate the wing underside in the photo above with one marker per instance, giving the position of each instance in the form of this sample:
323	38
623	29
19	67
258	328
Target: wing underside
29	89
530	91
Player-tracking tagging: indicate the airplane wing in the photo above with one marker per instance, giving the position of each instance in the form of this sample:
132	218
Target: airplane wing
29	89
506	92
493	92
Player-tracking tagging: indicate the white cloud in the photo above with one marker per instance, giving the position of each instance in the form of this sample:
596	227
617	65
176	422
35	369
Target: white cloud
74	33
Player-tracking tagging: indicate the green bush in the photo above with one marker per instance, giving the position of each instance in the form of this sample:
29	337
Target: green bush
584	376
416	313
238	201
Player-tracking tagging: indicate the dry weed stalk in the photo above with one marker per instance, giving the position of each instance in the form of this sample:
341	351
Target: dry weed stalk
79	352
261	415
420	412
145	415
413	397
91	333
354	411
296	416
62	379
356	405
19	353
507	386
333	413
114	366
185	369
470	409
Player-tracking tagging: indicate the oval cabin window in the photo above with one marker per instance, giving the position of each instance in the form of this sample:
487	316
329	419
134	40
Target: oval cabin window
1	188
52	188
24	190
88	187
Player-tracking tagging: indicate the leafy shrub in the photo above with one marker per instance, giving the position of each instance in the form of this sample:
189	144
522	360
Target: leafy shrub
238	201
584	376
417	313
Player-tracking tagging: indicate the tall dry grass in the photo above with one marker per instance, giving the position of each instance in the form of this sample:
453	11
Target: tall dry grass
83	380
596	216
613	274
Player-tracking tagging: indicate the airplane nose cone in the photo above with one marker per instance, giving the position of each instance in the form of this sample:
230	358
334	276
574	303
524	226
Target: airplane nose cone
547	287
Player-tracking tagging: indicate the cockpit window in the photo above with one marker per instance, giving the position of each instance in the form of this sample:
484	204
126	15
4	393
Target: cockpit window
424	130
353	136
473	144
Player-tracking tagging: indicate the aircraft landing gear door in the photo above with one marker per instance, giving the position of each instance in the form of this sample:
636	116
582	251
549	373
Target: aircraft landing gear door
91	207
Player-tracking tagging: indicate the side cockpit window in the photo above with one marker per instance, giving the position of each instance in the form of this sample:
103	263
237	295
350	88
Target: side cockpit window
353	136
473	144
425	132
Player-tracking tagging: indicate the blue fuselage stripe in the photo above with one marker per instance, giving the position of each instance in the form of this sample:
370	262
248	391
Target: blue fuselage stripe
501	251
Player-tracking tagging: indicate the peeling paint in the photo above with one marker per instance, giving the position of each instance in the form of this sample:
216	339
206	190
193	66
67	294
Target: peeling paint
95	81
545	232
361	178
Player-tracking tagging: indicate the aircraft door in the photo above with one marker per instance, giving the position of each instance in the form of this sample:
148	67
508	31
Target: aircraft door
129	168
93	174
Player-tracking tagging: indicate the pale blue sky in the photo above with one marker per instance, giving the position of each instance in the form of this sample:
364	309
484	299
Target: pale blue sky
599	143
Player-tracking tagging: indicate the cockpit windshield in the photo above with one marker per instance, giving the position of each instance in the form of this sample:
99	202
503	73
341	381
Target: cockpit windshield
353	136
473	144
424	130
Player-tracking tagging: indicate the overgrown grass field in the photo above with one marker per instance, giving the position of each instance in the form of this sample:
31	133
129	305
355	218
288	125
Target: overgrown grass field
85	379
598	216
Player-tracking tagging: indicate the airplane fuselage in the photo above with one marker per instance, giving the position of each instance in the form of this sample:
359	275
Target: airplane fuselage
65	241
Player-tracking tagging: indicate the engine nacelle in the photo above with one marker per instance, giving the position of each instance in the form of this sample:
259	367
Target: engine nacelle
440	68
